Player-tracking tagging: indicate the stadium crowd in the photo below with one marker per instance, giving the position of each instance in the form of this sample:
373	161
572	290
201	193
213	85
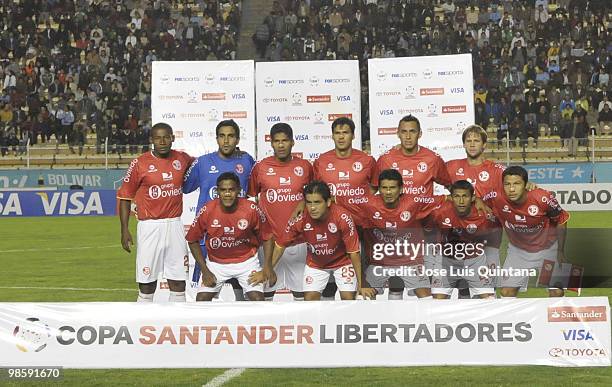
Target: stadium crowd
70	68
539	66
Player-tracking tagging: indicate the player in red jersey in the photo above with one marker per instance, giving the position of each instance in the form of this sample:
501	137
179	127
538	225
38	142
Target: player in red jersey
418	166
333	245
277	182
464	237
394	236
233	228
154	181
536	228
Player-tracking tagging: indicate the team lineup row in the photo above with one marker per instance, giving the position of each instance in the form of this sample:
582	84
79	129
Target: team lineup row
346	216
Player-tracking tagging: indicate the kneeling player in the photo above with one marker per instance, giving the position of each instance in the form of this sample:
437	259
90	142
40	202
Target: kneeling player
464	234
233	230
333	246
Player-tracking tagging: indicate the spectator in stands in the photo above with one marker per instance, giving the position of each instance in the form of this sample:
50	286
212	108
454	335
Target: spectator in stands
604	120
530	129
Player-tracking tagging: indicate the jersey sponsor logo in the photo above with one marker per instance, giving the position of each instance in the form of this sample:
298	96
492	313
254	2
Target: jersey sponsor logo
215	223
506	209
357	166
330	167
391	225
228	230
279	196
239	169
376	216
407	172
520	218
321	237
128	174
308	227
423	199
343	175
285	180
483	176
318	99
157	192
152	168
213	169
299	171
176	164
213	96
532	210
213	193
459	172
422	167
243	224
447	222
405	216
454	109
270	172
332	228
166	176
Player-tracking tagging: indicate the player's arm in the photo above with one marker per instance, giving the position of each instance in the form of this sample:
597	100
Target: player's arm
192	177
124	218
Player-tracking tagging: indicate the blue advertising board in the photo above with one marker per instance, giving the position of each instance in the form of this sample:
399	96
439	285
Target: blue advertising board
560	173
58	203
61	178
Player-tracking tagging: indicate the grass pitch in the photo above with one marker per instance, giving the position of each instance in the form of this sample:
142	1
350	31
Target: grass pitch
80	259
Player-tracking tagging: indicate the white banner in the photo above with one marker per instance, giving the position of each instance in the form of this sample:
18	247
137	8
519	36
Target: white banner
309	96
438	90
582	197
556	332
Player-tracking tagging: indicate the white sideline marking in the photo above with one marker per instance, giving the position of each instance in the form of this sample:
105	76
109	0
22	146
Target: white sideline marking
78	289
59	248
225	377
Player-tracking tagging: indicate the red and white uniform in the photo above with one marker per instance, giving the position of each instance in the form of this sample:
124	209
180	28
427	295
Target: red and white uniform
155	185
485	178
232	240
279	187
418	171
531	229
329	243
348	178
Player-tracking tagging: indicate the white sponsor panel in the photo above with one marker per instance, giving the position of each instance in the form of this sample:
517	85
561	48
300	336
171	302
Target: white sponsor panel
438	90
309	96
556	332
582	197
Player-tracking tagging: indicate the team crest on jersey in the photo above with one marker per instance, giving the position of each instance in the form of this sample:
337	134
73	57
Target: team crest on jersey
152	168
308	280
405	216
146	270
330	167
332	227
422	167
299	171
483	176
308	227
471	228
243	224
239	168
460	172
357	166
532	210
177	165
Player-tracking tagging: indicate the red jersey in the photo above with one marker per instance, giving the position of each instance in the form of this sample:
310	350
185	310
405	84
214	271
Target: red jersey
230	237
329	241
280	187
156	184
472	229
531	225
418	171
388	226
486	177
348	178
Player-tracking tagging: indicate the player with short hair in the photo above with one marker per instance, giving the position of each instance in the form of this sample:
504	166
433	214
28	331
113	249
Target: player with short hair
154	182
536	226
394	217
464	236
207	168
277	182
234	228
333	245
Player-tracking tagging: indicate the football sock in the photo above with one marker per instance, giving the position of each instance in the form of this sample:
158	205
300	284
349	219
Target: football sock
176	296
142	297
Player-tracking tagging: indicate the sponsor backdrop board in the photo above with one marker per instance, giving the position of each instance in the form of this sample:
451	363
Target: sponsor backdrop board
582	197
62	178
309	96
556	332
58	203
437	90
565	173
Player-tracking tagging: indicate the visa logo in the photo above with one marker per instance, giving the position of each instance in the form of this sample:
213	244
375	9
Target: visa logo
239	96
12	205
273	118
577	335
313	156
168	115
301	137
71	203
343	98
386	112
457	90
196	134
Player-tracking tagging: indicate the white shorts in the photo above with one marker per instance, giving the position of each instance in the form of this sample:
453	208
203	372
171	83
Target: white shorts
377	276
518	258
289	270
161	249
226	271
315	279
461	269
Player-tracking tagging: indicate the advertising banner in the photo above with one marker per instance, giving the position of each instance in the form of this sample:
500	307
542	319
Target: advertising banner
582	197
560	173
58	203
438	90
557	332
61	178
309	96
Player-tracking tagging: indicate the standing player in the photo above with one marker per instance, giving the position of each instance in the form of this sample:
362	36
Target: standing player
464	235
207	168
154	181
333	245
393	218
277	182
233	229
536	228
